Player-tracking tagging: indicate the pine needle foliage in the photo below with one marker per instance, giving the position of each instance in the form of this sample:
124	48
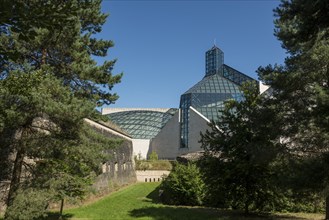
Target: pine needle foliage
300	91
240	156
49	82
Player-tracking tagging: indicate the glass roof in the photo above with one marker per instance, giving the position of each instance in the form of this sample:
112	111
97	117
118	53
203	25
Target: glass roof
221	83
235	75
208	95
141	124
214	84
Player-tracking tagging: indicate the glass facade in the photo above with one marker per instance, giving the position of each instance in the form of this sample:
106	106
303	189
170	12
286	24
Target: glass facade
235	76
220	83
141	124
214	61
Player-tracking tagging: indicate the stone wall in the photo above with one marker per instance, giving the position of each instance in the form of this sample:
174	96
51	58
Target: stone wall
120	168
117	171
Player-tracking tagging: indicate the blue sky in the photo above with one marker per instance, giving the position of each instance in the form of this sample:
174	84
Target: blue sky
160	45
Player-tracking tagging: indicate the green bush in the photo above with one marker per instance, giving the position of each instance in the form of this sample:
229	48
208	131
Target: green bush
153	165
153	156
29	204
183	186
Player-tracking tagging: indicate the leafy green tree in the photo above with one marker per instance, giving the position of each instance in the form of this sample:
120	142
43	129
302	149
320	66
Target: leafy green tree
49	84
240	156
300	88
183	186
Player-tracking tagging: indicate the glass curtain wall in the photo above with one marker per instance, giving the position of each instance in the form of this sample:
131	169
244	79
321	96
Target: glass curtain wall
220	83
141	124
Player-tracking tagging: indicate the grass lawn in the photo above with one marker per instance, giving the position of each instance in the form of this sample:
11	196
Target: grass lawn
139	201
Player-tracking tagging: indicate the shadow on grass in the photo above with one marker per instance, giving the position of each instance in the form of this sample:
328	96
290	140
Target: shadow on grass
55	216
154	195
190	213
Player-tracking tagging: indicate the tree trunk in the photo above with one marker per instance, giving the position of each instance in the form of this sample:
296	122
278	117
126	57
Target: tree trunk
43	56
246	208
16	178
327	208
61	209
247	188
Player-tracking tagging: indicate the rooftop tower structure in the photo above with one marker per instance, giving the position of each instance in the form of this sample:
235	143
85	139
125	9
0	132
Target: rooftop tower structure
214	61
220	83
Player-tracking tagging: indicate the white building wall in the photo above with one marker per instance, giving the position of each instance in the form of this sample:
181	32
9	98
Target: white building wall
141	147
166	143
197	123
262	87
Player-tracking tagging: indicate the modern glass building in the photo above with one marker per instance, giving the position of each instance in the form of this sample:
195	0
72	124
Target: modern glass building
220	83
142	124
173	132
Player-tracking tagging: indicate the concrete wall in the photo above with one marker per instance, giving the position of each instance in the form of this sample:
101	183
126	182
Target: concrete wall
141	147
151	175
197	123
166	143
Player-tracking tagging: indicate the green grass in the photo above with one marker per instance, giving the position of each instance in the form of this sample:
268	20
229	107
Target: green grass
139	201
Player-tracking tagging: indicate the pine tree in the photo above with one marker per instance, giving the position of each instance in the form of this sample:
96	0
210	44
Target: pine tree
301	86
241	154
49	84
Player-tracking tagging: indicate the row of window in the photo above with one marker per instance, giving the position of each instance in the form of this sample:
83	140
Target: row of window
106	168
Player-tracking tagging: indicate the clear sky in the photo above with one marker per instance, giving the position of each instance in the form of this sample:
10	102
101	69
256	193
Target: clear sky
160	45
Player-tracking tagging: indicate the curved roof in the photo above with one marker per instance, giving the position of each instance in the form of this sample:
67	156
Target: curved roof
141	124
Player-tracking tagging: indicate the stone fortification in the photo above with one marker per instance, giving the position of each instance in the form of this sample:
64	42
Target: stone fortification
119	169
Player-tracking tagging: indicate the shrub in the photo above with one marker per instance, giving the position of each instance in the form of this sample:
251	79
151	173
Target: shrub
153	165
183	186
153	156
29	204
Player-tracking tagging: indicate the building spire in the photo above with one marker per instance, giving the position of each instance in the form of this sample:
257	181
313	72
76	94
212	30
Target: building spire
214	60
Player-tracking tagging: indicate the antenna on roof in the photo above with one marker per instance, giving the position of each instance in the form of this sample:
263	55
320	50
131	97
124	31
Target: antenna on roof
215	42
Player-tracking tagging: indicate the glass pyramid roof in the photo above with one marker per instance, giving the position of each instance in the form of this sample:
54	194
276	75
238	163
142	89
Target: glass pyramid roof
214	84
208	95
220	83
